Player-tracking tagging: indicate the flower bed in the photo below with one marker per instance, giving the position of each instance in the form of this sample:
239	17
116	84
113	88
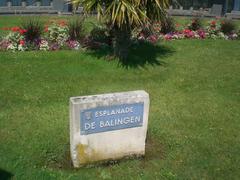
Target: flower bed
212	31
56	34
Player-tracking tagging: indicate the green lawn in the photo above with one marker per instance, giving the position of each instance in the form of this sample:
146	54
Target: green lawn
194	122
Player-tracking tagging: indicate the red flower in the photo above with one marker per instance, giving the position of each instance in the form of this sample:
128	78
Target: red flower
213	23
22	31
186	31
62	23
5	28
22	42
46	29
15	29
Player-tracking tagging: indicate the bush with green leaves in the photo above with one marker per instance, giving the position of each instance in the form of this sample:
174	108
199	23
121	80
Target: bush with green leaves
167	25
34	30
100	34
228	26
195	24
76	29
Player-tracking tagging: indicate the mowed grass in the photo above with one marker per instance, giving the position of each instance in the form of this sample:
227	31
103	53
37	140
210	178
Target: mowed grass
194	120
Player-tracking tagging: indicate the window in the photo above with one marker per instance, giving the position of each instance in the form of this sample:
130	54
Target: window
45	2
16	2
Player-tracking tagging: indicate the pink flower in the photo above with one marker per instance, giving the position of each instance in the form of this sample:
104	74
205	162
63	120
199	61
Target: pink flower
152	39
168	37
186	31
201	34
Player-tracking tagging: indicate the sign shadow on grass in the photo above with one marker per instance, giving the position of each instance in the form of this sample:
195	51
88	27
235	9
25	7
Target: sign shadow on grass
140	55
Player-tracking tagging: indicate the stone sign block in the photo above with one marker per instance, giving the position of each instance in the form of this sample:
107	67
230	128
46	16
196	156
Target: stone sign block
108	126
216	9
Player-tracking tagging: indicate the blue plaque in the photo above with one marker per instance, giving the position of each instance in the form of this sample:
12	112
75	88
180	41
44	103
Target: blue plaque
110	118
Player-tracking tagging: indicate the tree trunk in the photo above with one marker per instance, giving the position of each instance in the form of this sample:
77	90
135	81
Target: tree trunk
122	41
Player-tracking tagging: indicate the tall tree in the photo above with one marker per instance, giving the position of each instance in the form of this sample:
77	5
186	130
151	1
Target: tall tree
123	16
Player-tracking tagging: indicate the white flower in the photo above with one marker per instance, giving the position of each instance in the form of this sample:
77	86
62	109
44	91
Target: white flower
44	45
234	35
20	47
77	46
12	47
197	36
221	35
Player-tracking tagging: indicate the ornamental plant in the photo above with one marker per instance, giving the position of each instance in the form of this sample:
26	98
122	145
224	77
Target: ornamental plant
16	39
73	44
57	32
228	26
188	33
196	24
76	29
100	34
43	45
34	30
168	25
213	28
123	16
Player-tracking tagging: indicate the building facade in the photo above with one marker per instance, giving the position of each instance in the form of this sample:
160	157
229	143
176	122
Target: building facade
34	6
228	5
57	6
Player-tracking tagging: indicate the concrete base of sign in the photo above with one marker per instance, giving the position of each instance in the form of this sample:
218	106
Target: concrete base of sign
108	141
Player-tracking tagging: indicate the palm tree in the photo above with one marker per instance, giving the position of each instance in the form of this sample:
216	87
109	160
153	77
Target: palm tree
123	16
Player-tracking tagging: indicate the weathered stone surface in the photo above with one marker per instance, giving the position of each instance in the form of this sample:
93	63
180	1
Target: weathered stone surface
108	126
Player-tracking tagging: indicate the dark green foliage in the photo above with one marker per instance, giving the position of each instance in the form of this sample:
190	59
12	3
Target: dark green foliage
195	24
100	34
167	25
34	29
228	26
76	29
146	31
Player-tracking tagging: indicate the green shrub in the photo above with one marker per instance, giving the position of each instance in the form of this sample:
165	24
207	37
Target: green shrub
195	24
76	29
168	25
33	30
228	26
100	34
